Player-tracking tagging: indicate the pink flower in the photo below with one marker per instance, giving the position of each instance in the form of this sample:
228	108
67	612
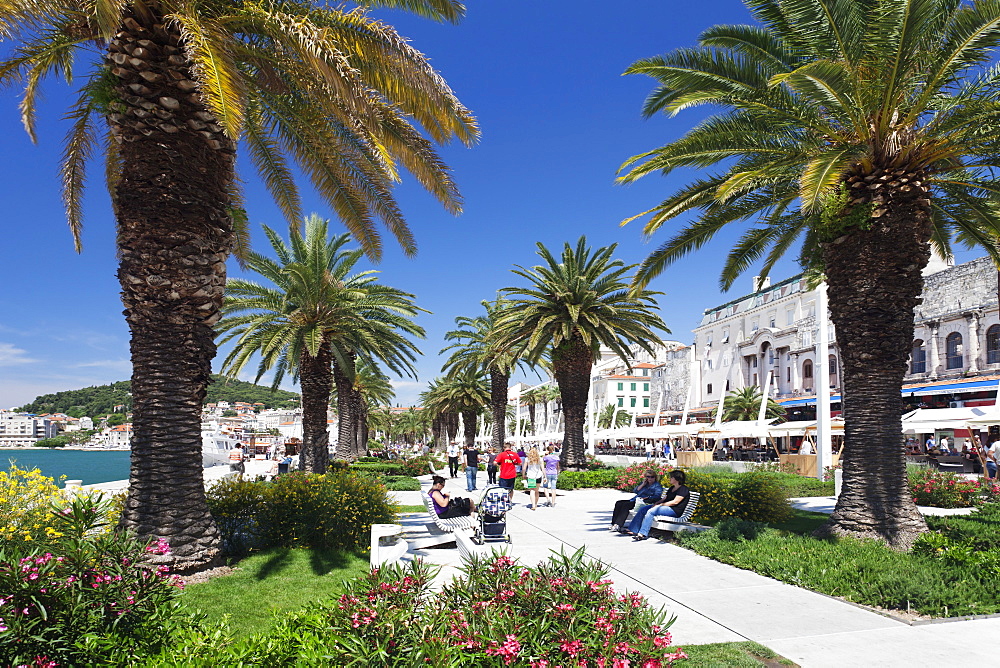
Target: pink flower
571	647
508	651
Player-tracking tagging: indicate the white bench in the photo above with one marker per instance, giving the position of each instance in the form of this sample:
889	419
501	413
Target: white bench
443	531
450	524
623	460
682	523
380	555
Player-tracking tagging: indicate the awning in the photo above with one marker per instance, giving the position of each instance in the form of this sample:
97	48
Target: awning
929	420
801	427
737	429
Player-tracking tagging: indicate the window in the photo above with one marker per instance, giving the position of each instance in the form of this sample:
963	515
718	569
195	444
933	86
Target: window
807	369
631	387
807	338
645	402
773	321
631	402
993	345
788	374
725	335
645	372
918	358
833	365
645	387
727	386
621	402
789	317
755	361
754	326
708	390
953	351
621	386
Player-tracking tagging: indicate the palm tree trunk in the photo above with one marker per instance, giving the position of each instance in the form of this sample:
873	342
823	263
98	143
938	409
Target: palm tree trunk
571	367
360	423
498	405
174	235
345	413
316	380
469	426
531	416
437	427
874	283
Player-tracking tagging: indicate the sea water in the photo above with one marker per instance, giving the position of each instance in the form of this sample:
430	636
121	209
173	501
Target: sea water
90	466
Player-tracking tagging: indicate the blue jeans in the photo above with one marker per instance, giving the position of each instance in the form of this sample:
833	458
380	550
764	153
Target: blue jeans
991	469
470	477
650	516
640	515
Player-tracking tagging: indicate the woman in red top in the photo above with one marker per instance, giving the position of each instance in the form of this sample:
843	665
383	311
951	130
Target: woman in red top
508	461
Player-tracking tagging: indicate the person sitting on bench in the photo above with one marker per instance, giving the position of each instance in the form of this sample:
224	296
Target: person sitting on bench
444	505
672	506
649	490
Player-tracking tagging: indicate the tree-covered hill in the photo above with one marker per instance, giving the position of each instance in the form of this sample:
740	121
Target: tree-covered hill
102	399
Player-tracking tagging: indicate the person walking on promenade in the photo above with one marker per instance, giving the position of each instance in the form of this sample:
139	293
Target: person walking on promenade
236	459
551	462
533	475
508	461
992	458
471	467
672	506
491	467
649	490
649	450
453	459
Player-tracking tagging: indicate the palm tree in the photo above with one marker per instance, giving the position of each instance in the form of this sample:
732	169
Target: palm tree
370	390
317	315
865	134
744	404
610	416
462	392
169	91
572	306
476	349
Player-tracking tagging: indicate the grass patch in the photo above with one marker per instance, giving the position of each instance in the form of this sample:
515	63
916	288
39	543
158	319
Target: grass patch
732	655
802	522
862	571
411	509
271	583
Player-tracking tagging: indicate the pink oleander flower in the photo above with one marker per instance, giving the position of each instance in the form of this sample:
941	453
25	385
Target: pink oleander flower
571	647
508	651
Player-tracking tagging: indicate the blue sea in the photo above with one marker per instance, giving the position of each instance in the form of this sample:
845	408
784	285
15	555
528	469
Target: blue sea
90	466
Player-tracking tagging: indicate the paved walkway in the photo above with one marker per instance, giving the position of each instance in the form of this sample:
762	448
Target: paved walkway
714	602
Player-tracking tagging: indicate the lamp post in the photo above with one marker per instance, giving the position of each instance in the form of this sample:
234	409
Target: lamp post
824	455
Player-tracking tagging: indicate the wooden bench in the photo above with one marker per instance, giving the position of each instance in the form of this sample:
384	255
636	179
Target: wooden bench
682	523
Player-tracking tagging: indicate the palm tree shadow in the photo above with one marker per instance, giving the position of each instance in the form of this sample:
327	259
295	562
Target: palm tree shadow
276	562
324	561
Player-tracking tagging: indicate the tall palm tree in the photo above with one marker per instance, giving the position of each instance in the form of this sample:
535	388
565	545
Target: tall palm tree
744	404
318	315
866	134
573	305
476	349
170	89
612	416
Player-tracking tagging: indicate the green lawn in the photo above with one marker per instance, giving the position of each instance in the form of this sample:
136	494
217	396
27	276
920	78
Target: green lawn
802	521
411	509
276	581
731	655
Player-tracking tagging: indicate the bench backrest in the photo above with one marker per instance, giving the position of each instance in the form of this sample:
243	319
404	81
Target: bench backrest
689	509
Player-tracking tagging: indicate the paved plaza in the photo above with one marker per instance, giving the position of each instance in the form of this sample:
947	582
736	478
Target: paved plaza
715	602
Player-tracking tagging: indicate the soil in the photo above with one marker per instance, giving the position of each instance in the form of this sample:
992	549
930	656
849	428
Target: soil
204	576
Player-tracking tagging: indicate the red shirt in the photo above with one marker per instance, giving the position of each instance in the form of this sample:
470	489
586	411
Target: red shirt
507	461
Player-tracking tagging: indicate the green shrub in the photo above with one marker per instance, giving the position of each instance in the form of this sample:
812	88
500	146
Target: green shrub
586	479
496	613
398	483
91	597
26	498
982	527
380	468
418	466
237	505
331	511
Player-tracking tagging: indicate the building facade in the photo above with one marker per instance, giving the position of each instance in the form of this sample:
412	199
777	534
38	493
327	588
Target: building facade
22	431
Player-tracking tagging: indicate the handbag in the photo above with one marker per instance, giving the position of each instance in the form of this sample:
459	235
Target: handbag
530	483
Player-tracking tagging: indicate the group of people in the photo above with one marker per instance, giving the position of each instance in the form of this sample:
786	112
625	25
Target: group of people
656	502
539	472
279	461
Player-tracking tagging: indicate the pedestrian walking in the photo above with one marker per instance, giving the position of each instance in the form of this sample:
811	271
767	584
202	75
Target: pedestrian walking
453	452
471	467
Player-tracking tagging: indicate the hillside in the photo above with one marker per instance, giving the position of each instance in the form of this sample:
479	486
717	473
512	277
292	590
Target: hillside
102	399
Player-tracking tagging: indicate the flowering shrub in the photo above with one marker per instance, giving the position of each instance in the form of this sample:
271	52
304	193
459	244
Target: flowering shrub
26	509
628	477
948	490
498	613
775	467
91	597
300	509
418	466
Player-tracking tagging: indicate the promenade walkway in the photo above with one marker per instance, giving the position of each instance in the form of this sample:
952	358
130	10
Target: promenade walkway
714	602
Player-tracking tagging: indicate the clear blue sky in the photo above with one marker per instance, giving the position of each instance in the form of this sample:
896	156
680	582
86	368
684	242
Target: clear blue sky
543	78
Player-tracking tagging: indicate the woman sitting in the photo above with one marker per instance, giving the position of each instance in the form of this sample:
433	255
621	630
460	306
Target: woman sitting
649	490
673	505
444	505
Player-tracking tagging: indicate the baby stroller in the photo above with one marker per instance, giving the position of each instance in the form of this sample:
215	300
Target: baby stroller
492	513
